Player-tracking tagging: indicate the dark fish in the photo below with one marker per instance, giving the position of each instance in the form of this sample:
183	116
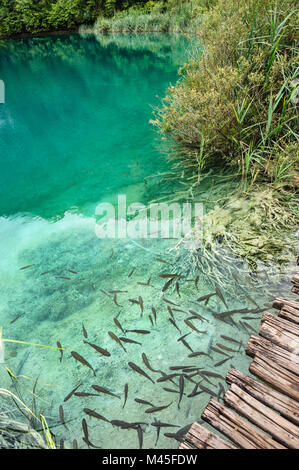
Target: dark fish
73	272
151	319
196	282
126	391
170	390
116	339
177	288
118	291
167	284
159	425
155	409
218	351
118	325
15	319
63	277
128	340
181	367
170	302
165	377
199	353
211	374
46	272
85	438
184	336
102	351
223	361
140	436
71	393
188	322
141	304
143	402
26	267
225	348
162	261
131	272
187	345
219	293
104	292
99	389
206	298
148	283
84	331
146	362
94	414
83	361
115	300
174	324
207	390
137	369
197	315
61	416
228	338
182	384
155	314
180	435
140	332
170	311
85	394
61	350
169	276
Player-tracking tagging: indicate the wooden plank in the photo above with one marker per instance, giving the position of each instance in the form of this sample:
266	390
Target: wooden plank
280	323
236	428
262	416
279	303
202	438
289	314
280	378
185	446
273	352
286	406
278	336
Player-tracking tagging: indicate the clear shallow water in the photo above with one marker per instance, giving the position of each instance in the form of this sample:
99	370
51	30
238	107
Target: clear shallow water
75	131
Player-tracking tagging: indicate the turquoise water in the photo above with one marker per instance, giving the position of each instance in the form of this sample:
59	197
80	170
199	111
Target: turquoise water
75	131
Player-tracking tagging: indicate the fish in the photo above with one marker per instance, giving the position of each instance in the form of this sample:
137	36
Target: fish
27	267
170	390
184	336
73	272
102	351
181	367
211	374
155	409
197	315
131	272
141	304
166	377
180	434
146	362
218	351
151	320
118	325
140	436
199	353
169	276
155	314
128	340
182	385
170	311
83	361
159	425
112	253
96	415
219	293
84	331
188	322
61	416
137	369
116	339
115	300
174	324
63	277
16	318
126	391
187	345
99	389
72	393
225	348
162	260
46	272
170	302
118	291
223	361
148	283
206	298
207	390
104	292
143	402
140	332
167	284
85	438
228	338
85	394
196	282
61	350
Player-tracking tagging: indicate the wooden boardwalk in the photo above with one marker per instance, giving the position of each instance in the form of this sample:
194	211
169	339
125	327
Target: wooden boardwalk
259	414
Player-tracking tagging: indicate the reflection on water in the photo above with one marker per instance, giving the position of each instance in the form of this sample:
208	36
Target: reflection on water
75	121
